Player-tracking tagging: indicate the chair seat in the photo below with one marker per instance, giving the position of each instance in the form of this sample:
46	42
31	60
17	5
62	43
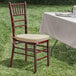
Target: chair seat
34	38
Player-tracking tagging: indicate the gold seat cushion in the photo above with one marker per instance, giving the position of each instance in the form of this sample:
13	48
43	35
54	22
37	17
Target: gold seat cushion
34	38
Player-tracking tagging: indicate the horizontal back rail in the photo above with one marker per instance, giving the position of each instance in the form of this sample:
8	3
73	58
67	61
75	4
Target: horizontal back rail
19	20
17	4
19	26
18	14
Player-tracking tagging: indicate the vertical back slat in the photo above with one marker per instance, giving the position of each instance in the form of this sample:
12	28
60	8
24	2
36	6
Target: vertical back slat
17	10
20	9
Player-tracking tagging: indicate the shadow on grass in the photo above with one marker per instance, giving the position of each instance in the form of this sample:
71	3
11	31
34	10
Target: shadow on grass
21	64
65	53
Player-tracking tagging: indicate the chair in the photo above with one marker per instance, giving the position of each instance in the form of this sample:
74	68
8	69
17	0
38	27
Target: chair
19	9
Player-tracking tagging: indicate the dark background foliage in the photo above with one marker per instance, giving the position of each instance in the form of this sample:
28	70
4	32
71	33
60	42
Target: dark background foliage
54	2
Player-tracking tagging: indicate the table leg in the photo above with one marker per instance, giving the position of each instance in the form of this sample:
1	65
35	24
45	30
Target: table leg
53	46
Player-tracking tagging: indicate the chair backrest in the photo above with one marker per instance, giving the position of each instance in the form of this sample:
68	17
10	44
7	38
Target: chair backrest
18	9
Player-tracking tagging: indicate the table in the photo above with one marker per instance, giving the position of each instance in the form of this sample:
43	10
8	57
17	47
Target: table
59	28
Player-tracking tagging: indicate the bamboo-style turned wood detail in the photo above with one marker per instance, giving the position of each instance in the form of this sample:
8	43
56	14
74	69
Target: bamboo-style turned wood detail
18	9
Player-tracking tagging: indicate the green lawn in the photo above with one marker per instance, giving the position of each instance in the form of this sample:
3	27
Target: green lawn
63	61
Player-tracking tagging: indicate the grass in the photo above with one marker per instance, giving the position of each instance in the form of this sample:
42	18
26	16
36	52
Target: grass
63	61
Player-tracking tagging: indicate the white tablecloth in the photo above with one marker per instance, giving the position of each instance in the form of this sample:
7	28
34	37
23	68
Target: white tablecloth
60	28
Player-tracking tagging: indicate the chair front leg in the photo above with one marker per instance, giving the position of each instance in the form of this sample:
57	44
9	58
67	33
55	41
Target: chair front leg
26	52
35	59
48	53
13	48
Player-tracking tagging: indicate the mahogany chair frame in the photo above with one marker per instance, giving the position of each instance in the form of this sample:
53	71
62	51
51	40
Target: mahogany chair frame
15	10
